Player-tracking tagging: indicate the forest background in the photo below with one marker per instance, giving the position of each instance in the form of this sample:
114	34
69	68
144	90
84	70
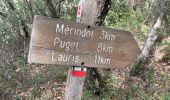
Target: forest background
147	81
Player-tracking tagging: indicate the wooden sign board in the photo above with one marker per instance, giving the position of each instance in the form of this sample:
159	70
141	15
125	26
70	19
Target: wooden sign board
55	41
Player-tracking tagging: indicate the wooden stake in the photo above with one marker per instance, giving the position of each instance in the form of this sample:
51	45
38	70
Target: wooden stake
74	86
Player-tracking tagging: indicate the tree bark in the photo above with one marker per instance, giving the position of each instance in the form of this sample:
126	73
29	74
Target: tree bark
103	7
25	29
150	41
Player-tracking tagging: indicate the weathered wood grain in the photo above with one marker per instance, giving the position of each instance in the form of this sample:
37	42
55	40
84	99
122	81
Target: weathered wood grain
74	86
117	52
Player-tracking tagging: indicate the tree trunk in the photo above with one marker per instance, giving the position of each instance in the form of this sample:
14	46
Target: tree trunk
103	7
51	8
150	41
24	26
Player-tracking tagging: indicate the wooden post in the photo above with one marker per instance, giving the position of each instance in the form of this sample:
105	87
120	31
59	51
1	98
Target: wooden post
74	86
53	42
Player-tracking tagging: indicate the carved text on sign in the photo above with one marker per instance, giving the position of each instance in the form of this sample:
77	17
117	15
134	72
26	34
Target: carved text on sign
65	30
55	41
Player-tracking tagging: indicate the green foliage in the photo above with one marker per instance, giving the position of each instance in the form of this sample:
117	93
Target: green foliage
135	19
167	51
21	81
88	95
144	89
35	92
16	76
72	16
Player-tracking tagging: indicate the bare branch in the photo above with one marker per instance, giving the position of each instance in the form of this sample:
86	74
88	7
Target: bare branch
10	4
3	15
23	24
150	41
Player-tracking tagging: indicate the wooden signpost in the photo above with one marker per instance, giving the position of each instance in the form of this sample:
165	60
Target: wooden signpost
56	41
75	83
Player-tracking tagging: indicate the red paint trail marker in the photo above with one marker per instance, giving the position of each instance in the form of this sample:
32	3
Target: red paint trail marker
79	71
79	9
